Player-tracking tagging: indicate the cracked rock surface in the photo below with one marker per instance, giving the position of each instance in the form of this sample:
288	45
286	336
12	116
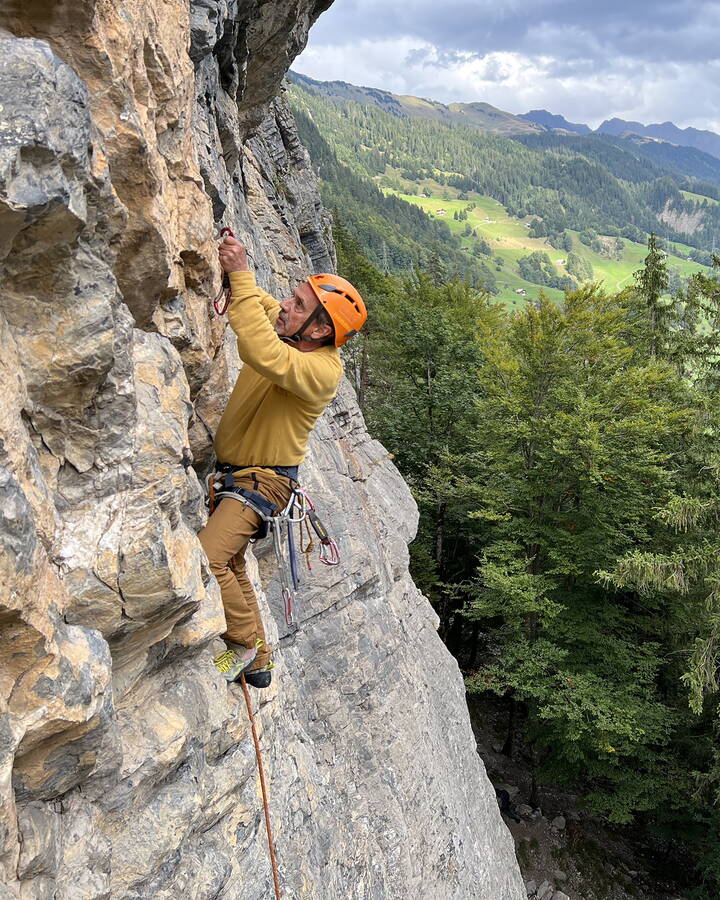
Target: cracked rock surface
129	132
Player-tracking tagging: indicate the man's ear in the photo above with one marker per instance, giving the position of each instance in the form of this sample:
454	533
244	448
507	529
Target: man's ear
321	331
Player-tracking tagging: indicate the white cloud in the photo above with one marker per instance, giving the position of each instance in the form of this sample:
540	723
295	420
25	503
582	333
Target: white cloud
636	89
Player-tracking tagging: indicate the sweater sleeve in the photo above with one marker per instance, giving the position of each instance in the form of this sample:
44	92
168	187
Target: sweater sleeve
269	303
312	376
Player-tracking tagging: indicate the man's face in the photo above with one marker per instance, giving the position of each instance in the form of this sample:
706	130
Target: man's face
295	310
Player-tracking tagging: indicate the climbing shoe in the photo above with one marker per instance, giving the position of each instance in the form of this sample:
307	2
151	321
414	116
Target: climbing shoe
233	662
260	678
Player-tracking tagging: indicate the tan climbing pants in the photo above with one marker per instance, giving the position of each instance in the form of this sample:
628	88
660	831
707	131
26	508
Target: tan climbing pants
224	539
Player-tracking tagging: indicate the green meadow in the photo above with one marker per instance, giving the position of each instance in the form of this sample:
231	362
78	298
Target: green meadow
699	198
509	240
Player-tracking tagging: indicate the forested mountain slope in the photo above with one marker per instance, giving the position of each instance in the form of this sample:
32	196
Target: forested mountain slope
397	235
577	183
541	212
403	106
656	157
687	151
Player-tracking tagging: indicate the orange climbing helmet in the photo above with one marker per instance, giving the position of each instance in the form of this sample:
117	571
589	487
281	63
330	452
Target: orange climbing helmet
342	302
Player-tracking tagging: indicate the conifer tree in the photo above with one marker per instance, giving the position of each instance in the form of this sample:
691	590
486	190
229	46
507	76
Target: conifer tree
652	281
682	566
421	406
582	440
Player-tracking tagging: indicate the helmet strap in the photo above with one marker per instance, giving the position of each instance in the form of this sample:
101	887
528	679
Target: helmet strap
298	336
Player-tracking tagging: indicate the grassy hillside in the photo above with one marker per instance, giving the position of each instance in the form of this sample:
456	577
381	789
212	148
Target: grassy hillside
509	240
700	198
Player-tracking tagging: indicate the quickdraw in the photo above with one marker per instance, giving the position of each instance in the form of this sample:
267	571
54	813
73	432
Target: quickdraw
299	510
222	298
329	554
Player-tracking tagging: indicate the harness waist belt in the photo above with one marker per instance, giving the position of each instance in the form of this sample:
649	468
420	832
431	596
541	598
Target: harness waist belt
263	506
290	472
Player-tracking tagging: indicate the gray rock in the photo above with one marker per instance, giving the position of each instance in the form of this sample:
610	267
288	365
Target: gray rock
558	823
531	888
558	875
126	764
39	825
18	539
545	891
559	895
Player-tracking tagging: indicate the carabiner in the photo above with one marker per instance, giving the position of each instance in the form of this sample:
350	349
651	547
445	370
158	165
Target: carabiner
222	298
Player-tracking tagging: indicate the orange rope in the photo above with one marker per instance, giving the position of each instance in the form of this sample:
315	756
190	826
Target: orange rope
271	847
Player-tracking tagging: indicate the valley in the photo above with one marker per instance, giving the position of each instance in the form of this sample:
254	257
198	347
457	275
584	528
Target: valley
509	240
511	211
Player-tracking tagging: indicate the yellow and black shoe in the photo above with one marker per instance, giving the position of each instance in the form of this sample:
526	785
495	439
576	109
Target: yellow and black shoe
233	662
260	678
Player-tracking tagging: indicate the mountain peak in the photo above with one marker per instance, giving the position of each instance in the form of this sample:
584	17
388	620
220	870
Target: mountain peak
553	122
707	141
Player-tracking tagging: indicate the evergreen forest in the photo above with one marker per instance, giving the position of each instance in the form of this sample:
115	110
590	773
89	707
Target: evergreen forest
564	460
563	452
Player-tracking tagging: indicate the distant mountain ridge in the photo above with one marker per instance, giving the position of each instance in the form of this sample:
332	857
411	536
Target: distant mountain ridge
707	141
554	123
478	114
498	121
535	122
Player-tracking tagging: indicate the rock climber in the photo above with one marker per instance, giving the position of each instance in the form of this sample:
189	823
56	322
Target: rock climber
291	372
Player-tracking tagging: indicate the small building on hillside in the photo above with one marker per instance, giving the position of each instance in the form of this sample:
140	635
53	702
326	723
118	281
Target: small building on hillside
440	212
521	291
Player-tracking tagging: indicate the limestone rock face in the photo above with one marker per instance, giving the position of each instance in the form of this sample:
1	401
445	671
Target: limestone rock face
129	132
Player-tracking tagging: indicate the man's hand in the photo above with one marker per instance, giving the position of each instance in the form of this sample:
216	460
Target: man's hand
233	256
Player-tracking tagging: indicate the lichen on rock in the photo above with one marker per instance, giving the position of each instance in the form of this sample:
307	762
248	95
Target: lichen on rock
128	133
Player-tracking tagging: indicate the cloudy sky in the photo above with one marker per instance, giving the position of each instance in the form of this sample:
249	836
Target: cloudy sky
639	60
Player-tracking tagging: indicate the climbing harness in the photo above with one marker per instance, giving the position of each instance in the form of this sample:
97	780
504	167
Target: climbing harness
222	298
300	510
263	786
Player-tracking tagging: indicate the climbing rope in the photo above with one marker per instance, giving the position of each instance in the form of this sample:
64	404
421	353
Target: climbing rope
266	804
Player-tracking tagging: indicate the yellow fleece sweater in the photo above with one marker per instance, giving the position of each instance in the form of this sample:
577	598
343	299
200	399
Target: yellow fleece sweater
280	391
